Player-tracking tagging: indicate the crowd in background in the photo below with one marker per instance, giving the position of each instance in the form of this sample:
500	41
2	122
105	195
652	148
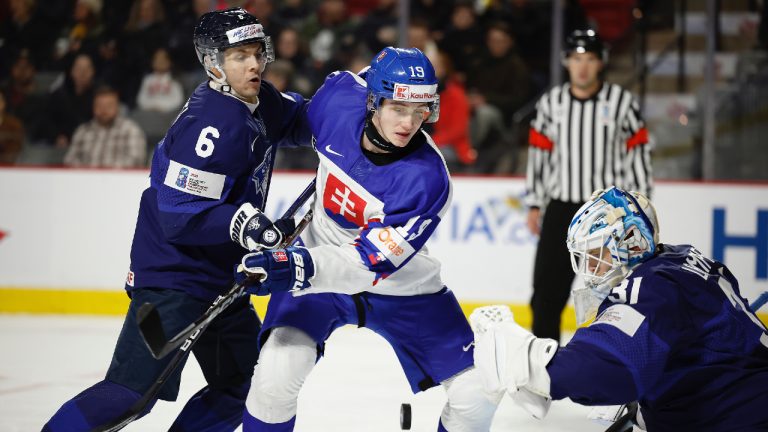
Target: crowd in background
56	56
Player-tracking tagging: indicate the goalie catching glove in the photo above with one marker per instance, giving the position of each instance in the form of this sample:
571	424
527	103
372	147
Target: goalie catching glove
252	229
511	358
276	270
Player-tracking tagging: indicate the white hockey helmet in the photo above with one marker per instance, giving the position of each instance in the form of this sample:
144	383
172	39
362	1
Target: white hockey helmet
610	234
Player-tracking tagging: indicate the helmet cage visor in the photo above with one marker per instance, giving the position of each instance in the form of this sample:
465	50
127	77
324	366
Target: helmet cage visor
431	115
213	58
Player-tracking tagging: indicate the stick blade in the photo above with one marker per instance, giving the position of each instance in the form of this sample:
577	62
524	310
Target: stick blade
151	328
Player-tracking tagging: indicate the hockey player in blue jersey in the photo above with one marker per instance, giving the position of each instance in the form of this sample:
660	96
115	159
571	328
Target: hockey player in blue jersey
199	213
382	188
672	331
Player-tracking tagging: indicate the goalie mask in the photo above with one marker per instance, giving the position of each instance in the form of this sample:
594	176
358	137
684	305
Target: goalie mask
404	75
612	233
220	30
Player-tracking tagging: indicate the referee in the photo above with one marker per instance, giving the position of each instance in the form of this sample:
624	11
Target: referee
587	135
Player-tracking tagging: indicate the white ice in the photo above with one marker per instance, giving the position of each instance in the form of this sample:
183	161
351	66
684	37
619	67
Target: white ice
357	387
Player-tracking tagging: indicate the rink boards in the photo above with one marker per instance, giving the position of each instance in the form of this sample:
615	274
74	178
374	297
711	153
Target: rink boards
65	236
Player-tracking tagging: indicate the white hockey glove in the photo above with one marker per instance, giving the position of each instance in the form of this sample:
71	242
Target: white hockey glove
511	358
252	229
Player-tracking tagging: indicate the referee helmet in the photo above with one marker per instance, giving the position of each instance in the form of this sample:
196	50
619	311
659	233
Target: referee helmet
583	41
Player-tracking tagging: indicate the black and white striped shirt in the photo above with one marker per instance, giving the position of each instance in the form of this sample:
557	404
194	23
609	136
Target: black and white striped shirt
577	146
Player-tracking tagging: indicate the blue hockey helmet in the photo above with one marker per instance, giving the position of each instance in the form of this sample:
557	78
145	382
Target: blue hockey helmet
403	74
218	31
612	233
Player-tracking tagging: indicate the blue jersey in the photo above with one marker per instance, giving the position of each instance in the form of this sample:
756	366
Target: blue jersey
217	155
677	336
371	219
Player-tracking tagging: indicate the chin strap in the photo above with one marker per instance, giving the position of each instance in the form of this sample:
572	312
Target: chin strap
375	137
225	88
379	141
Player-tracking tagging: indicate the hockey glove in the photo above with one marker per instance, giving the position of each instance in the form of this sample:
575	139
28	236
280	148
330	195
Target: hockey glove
252	229
511	358
276	270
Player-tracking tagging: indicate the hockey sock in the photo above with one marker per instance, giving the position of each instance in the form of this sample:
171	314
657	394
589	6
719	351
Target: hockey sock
252	424
212	410
94	406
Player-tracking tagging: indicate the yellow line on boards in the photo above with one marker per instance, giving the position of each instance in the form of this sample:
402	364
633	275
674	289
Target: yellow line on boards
109	302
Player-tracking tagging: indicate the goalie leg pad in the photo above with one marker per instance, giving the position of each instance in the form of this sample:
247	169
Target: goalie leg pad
101	403
286	359
469	407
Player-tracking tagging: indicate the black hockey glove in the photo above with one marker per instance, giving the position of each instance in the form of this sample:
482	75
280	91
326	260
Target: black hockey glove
252	229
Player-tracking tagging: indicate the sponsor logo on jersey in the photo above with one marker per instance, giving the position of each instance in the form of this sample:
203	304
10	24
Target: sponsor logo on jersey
414	93
181	181
195	181
129	279
339	199
279	256
391	244
623	317
249	31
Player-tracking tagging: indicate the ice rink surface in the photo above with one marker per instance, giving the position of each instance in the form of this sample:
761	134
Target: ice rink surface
357	387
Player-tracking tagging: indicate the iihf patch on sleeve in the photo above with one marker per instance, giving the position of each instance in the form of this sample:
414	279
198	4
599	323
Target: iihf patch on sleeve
194	181
623	317
391	244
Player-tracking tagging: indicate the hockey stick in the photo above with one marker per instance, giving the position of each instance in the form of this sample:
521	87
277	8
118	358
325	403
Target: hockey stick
759	302
626	421
153	329
149	318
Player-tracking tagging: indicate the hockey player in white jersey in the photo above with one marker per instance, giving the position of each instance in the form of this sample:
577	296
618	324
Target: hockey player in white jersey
672	331
382	188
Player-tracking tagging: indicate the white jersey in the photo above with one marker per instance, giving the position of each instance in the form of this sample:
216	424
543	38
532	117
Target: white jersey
370	220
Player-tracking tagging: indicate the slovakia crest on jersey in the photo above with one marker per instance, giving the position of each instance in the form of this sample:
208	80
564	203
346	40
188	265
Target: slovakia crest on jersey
343	205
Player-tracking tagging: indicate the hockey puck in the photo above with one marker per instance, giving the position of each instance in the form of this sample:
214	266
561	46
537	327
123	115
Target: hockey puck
405	416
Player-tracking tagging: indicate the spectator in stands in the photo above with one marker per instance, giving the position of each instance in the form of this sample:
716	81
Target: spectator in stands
500	60
420	37
494	100
324	31
71	103
529	21
109	140
264	11
11	135
280	74
463	38
179	43
435	13
378	29
159	90
82	33
25	99
451	132
289	47
24	29
145	32
292	12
